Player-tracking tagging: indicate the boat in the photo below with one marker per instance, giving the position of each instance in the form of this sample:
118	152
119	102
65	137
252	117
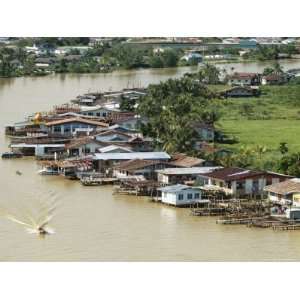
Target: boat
48	171
11	155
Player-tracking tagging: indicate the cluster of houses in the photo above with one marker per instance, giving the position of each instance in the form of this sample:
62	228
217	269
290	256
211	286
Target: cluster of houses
98	139
47	57
70	143
244	84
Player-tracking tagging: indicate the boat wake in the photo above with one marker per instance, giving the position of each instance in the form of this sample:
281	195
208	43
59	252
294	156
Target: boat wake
35	221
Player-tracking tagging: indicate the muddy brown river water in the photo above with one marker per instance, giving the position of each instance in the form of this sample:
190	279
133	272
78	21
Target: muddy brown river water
93	224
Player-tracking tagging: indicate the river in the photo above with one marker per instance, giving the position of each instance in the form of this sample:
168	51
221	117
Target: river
92	223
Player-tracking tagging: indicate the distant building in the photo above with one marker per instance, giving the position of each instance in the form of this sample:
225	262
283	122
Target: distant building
244	79
247	44
193	56
67	49
274	79
205	131
241	91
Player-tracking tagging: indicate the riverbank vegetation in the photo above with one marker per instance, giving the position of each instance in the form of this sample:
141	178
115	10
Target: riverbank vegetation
257	132
41	56
271	52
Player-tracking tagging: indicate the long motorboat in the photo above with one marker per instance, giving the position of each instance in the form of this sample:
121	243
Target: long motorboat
48	171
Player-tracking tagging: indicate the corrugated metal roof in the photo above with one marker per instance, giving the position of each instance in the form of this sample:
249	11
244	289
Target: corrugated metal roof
234	173
23	145
112	148
186	171
175	188
77	120
182	160
132	155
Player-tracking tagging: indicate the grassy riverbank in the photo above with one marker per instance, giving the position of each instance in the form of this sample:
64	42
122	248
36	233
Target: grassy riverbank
268	120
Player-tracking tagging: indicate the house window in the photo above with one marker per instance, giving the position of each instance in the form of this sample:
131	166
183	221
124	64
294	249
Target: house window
180	197
190	196
269	181
98	114
87	150
104	114
196	196
240	185
67	128
90	114
57	129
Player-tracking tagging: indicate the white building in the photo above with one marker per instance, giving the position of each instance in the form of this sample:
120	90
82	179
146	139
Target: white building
285	192
181	175
97	111
181	195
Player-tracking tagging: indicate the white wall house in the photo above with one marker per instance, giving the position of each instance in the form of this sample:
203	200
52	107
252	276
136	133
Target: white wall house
70	125
96	111
180	195
285	192
82	148
240	181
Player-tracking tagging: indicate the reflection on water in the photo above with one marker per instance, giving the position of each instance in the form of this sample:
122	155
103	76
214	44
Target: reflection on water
92	223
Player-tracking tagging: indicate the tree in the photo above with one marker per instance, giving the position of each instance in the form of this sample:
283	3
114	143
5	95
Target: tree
127	104
268	71
290	164
61	66
128	56
260	150
283	148
170	58
277	67
156	61
29	66
209	74
172	108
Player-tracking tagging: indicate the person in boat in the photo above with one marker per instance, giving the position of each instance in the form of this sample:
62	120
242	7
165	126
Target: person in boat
42	231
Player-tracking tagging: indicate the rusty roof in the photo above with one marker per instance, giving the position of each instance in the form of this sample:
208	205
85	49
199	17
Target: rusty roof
243	75
233	173
76	142
284	187
183	160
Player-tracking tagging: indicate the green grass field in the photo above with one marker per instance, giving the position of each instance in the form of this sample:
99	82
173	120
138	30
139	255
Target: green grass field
268	120
269	133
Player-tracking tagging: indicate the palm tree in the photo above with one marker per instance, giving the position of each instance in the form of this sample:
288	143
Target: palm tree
260	150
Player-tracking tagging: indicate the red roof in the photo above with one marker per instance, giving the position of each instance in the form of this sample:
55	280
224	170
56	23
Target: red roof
273	77
243	76
232	173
